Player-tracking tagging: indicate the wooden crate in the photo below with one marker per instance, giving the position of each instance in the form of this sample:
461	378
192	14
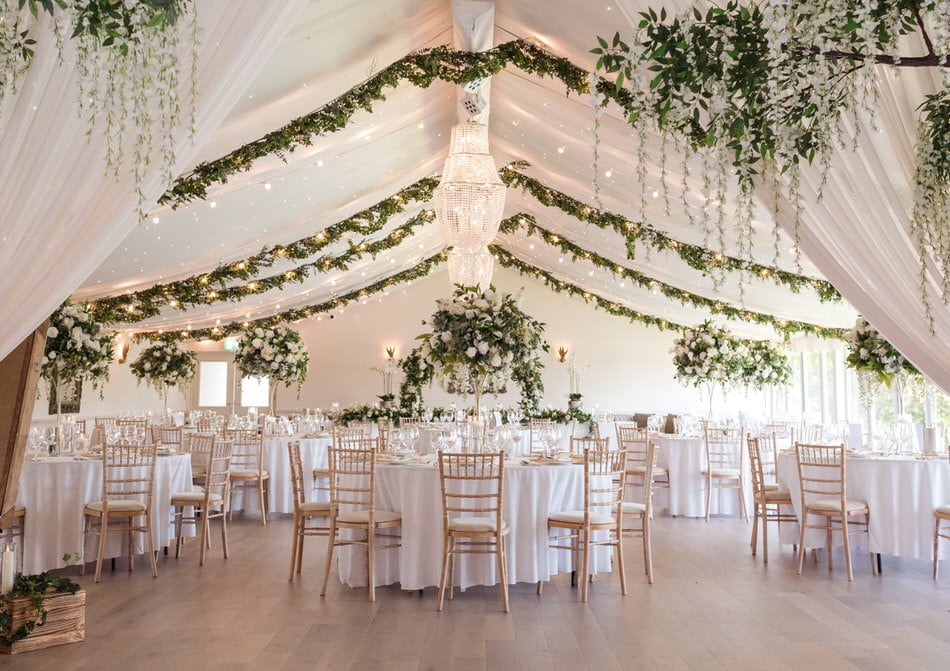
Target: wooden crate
65	621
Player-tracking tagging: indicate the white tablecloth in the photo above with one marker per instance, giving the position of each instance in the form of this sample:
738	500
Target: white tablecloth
901	493
54	492
531	493
313	454
427	439
685	458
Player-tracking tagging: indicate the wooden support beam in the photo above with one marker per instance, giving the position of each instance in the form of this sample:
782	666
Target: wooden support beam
19	375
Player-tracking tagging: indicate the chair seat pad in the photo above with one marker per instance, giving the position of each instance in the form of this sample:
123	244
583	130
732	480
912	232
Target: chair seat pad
473	523
315	508
777	495
943	511
723	472
192	498
118	506
834	505
640	470
247	474
769	488
577	517
633	508
362	517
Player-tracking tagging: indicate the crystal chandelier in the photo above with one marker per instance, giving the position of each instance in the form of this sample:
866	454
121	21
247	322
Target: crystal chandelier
469	203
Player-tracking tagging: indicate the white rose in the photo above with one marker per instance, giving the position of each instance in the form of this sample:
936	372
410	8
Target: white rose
470	352
52	332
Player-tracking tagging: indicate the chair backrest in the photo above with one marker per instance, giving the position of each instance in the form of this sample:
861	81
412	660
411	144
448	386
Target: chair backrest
810	435
98	436
205	425
199	446
80	426
128	473
384	429
605	473
353	476
472	485
246	455
723	447
296	473
106	421
821	472
578	445
756	463
347	432
354	439
640	467
166	435
218	475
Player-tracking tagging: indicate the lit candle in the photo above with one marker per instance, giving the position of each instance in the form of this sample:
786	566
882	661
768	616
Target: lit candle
7	569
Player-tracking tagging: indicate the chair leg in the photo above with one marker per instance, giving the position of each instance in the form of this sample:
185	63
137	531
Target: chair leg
205	537
801	541
260	489
647	548
103	524
224	531
303	537
708	495
936	544
82	550
765	533
293	548
828	536
445	567
179	514
874	559
150	544
756	513
370	564
847	546
743	511
620	565
502	571
451	572
331	538
585	558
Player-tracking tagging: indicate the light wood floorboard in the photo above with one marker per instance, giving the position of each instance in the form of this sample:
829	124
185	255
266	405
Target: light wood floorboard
713	606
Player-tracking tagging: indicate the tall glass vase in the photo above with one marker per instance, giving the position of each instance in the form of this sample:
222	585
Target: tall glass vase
273	400
710	390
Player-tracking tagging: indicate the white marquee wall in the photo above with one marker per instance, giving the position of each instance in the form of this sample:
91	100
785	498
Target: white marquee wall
630	366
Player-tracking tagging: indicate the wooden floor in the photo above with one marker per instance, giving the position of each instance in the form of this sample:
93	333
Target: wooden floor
713	606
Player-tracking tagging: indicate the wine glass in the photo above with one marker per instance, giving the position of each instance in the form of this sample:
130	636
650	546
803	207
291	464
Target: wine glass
516	441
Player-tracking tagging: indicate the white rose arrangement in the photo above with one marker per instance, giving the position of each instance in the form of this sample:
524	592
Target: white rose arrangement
277	353
766	365
871	353
78	348
165	364
708	354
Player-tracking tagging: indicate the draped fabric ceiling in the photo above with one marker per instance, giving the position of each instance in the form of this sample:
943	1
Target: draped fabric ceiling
67	229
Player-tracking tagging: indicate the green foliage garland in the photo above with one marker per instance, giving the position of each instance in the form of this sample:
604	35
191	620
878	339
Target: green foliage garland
697	257
35	588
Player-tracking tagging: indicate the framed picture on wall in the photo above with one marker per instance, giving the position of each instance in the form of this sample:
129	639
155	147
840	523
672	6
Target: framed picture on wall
72	396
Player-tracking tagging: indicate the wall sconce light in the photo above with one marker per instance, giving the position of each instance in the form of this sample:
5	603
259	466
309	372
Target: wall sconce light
391	352
124	352
562	353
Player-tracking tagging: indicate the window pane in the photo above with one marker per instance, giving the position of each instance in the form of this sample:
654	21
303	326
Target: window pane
212	383
255	392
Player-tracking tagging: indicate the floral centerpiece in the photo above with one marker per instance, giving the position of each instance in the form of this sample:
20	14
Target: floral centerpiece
877	361
78	349
708	355
479	340
765	365
275	353
165	364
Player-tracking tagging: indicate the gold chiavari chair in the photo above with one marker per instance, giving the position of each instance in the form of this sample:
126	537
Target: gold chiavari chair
353	507
128	479
578	445
304	511
167	436
472	495
767	498
604	480
210	503
821	473
636	440
535	428
247	468
640	467
724	464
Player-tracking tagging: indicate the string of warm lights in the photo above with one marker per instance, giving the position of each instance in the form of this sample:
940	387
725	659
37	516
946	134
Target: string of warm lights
212	287
418	271
695	256
529	223
509	260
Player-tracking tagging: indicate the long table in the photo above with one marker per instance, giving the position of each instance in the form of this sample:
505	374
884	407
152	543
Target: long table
531	493
901	493
54	492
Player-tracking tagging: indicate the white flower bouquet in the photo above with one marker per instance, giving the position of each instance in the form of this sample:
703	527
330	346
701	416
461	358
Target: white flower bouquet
78	348
275	353
165	364
870	353
708	354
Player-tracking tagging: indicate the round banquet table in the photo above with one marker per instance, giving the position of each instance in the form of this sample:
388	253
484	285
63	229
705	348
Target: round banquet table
901	493
280	498
54	492
685	459
531	493
428	432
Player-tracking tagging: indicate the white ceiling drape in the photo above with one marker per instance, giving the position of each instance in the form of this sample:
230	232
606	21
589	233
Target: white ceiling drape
60	214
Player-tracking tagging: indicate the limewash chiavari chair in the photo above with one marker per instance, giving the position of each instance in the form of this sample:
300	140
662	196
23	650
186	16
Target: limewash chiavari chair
472	494
823	478
321	476
635	440
578	445
604	481
210	502
353	507
304	511
724	464
767	498
640	472
247	468
167	436
128	479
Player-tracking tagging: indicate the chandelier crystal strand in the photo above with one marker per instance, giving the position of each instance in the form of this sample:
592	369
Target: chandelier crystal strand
469	203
